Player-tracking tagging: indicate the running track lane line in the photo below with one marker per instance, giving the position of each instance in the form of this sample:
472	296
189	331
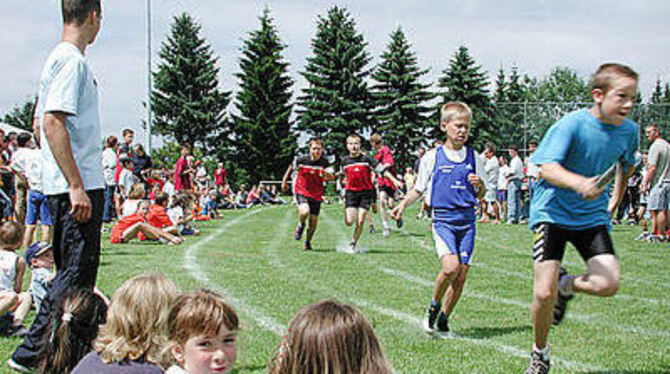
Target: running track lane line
191	264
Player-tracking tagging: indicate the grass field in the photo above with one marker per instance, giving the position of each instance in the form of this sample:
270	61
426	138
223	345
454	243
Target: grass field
252	258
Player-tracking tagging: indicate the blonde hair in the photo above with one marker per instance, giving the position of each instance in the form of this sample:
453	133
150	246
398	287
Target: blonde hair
136	326
454	109
607	73
11	233
375	138
330	337
137	191
202	312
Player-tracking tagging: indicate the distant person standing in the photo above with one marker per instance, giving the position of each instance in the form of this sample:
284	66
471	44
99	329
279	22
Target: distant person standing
72	172
514	177
491	170
657	182
220	176
182	173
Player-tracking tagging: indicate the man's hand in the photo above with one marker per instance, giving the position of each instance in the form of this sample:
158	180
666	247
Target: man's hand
587	188
396	213
81	205
475	180
284	186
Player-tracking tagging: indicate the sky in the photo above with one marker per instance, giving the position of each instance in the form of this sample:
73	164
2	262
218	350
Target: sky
535	35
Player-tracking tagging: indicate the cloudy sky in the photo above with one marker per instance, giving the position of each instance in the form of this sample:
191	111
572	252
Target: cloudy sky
535	35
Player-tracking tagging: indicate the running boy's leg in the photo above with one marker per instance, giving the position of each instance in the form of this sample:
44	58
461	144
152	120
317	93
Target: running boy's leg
455	290
545	293
360	222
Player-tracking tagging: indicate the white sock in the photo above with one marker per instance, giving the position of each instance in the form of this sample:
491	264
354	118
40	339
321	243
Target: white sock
385	224
544	352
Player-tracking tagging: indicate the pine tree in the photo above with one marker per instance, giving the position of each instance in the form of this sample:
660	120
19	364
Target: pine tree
402	113
21	116
666	93
500	95
337	101
262	130
187	103
657	95
465	81
516	92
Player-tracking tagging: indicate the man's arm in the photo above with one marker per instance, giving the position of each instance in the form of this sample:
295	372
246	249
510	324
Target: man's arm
651	170
284	181
58	138
620	182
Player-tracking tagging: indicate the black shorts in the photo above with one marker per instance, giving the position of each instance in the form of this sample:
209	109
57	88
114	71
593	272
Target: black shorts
549	242
314	205
359	199
390	192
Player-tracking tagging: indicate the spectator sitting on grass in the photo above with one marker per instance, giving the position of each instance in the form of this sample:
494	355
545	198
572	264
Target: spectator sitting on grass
253	197
74	326
181	214
135	196
158	216
12	268
129	227
135	332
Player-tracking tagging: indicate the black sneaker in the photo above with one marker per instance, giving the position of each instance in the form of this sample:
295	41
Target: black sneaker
433	311
442	326
562	301
307	245
19	331
538	365
399	223
372	229
298	231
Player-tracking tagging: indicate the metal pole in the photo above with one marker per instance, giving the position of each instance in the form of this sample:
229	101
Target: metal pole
148	139
525	128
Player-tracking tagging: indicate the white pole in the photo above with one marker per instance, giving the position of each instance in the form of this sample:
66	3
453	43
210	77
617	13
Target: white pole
148	139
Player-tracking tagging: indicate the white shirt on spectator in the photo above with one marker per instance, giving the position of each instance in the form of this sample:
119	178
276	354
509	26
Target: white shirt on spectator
502	177
516	169
491	167
126	180
109	165
29	162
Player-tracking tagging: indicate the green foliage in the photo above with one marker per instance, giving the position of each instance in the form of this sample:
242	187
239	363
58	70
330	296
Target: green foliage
187	103
336	101
262	130
168	154
21	116
561	85
402	112
465	81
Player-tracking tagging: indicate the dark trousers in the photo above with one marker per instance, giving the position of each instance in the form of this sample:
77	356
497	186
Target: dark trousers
76	249
108	210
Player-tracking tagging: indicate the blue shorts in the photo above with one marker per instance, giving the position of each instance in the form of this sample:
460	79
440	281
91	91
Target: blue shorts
38	208
455	239
502	195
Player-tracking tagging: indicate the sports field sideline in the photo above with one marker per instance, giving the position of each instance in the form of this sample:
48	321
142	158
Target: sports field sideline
251	257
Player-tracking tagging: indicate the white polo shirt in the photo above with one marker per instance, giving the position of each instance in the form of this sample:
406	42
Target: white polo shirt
67	85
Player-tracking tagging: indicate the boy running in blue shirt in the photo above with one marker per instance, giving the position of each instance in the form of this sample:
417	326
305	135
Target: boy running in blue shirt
568	205
452	177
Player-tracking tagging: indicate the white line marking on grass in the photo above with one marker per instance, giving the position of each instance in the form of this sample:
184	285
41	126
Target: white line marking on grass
191	264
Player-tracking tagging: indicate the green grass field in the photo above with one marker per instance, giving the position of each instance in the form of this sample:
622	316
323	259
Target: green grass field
253	260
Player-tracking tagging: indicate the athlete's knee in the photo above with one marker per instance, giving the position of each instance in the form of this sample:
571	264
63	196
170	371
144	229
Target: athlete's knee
546	296
608	287
450	273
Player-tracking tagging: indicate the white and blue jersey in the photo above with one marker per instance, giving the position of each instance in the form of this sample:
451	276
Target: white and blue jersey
443	177
581	144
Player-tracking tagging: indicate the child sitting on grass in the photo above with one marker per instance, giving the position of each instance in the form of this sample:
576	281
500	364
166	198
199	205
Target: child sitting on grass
129	227
202	329
181	214
12	268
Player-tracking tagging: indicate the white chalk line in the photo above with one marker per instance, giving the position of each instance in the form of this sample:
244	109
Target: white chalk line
191	264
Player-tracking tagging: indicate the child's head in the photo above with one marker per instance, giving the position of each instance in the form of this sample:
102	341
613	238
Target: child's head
74	327
614	89
126	162
409	170
455	118
316	148
162	199
137	318
490	150
39	255
202	329
513	150
354	144
137	191
376	141
333	337
11	234
143	207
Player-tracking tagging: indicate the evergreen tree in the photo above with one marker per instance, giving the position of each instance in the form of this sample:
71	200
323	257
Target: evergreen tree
666	93
337	101
500	95
516	92
465	81
21	116
402	113
187	103
262	130
657	95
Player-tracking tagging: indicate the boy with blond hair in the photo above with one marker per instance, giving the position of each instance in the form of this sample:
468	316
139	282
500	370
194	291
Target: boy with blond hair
569	205
452	177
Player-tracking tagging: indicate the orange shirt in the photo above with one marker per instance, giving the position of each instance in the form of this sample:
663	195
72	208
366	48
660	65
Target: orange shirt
158	216
123	225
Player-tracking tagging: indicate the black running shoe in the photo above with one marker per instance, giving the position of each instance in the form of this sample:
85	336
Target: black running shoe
442	326
399	223
307	245
372	229
538	365
433	311
298	231
562	301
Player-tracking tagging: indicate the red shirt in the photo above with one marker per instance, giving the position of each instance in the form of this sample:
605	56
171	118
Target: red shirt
158	216
182	181
220	177
309	182
384	156
123	225
358	171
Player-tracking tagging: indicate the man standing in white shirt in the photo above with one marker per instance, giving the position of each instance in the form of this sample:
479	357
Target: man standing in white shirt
514	178
491	169
657	182
72	170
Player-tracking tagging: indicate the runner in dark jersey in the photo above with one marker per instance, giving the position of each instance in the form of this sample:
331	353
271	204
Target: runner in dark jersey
308	188
386	187
358	169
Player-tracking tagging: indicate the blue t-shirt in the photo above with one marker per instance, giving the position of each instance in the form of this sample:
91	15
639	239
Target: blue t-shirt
586	146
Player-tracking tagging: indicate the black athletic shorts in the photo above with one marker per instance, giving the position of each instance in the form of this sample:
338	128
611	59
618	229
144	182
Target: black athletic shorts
549	242
314	205
359	199
390	192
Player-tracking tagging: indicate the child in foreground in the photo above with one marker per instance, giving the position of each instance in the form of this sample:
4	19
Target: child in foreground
202	329
12	268
330	337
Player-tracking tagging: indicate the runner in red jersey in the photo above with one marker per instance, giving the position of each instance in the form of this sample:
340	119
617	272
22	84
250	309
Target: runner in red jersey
386	187
312	170
358	169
